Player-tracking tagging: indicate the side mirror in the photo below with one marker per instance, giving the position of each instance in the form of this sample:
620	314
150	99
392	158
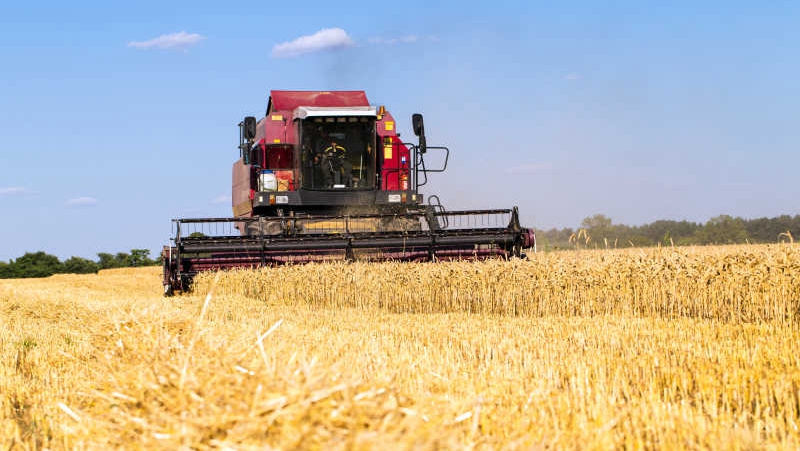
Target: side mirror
419	126
249	128
419	130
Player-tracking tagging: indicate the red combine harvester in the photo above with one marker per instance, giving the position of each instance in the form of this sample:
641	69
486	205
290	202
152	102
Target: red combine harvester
325	176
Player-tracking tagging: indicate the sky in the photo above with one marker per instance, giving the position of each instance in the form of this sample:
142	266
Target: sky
116	117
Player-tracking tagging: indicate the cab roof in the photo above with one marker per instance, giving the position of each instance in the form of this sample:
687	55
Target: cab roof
290	100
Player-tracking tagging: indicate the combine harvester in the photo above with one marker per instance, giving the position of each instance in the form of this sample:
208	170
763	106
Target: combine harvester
324	176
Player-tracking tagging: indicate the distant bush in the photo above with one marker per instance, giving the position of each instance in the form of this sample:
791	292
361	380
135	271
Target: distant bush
78	265
41	264
599	231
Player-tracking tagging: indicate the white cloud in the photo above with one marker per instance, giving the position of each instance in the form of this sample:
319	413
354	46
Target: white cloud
13	191
529	168
325	39
572	76
221	199
180	40
83	201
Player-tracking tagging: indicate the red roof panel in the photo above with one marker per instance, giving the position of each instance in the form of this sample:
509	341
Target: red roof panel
289	100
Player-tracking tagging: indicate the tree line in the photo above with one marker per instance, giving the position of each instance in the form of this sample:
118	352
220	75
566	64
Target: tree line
41	264
599	231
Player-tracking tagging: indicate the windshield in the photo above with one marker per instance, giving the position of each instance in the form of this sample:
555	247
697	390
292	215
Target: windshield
338	153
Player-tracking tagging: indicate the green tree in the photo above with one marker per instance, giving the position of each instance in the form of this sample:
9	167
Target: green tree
36	264
107	261
122	259
78	265
662	230
6	271
140	257
137	257
600	229
767	230
596	222
722	229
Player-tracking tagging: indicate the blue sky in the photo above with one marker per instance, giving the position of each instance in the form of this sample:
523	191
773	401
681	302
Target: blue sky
116	118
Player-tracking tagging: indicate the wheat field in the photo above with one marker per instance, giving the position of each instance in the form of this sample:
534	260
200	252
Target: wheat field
666	348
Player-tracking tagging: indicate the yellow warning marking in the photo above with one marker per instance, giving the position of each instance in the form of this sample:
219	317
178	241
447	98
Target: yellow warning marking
276	140
387	152
389	126
277	117
283	185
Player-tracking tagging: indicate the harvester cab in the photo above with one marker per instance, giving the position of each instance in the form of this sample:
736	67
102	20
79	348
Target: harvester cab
325	176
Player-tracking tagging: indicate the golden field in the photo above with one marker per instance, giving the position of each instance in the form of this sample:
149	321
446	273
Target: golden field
667	348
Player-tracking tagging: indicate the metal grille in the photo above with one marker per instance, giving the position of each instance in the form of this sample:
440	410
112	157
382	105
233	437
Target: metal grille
199	229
